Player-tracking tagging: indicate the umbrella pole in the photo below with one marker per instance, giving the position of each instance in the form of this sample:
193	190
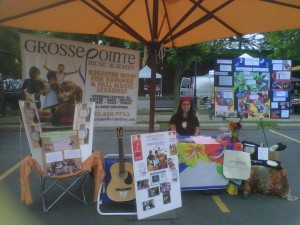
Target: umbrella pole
152	89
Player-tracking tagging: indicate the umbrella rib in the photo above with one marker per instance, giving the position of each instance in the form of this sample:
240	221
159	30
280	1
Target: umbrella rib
168	21
199	21
30	12
155	20
149	19
189	12
219	20
118	21
118	16
281	3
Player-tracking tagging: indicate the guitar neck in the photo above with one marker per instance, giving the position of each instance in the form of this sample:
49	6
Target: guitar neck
121	156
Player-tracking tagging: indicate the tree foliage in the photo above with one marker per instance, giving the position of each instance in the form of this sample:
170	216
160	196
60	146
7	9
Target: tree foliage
284	45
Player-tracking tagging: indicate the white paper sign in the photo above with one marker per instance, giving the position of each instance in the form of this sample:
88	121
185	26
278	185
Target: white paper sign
262	153
226	68
54	157
225	80
72	154
236	165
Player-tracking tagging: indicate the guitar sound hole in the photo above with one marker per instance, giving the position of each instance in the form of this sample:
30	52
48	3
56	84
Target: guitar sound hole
127	177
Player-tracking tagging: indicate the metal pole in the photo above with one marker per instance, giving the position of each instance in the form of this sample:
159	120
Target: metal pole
195	87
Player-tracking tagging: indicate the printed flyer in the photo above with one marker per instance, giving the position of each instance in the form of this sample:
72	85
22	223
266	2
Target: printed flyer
61	152
156	173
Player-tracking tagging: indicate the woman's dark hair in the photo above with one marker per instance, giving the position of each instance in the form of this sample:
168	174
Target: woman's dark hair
179	112
33	70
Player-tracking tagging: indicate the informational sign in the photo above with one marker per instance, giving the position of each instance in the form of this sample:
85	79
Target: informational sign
61	152
73	72
280	89
156	173
260	86
47	152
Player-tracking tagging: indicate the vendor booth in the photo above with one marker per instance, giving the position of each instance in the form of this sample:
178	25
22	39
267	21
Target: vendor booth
145	77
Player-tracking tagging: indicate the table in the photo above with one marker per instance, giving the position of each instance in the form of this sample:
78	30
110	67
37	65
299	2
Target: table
201	163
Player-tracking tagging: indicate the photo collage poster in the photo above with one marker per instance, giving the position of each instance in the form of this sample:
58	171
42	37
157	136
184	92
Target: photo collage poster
156	173
224	98
251	87
260	88
280	88
61	152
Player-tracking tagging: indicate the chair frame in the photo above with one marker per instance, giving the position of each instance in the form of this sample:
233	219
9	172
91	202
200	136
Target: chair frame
66	185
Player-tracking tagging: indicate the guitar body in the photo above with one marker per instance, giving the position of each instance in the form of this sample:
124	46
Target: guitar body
121	187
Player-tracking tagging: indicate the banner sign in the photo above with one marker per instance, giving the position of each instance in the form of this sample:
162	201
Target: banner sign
73	72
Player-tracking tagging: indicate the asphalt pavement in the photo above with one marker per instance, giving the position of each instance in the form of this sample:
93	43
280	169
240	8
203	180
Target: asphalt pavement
198	207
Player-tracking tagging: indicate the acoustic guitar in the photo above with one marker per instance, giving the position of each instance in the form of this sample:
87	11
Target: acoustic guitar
121	186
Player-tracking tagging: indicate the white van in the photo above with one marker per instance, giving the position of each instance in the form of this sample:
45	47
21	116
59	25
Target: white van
204	86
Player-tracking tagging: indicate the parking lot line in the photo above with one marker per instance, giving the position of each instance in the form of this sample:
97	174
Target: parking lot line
220	204
8	172
285	136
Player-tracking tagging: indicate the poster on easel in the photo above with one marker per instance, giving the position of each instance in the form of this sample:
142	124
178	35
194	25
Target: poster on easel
280	89
156	173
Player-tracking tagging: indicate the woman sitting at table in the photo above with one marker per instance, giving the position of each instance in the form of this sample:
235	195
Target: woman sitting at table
184	121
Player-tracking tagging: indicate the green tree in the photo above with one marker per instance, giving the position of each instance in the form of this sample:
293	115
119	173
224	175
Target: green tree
181	59
284	45
10	58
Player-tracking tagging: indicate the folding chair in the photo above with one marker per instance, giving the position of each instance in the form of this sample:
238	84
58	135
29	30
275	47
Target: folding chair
69	185
105	206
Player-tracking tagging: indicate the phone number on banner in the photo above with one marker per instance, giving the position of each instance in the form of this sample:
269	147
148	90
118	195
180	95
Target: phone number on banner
121	114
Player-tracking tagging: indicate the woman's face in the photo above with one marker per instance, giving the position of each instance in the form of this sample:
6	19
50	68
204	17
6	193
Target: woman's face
66	94
185	106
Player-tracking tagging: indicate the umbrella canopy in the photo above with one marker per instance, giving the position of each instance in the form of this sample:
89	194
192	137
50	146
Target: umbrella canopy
146	73
153	22
171	22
